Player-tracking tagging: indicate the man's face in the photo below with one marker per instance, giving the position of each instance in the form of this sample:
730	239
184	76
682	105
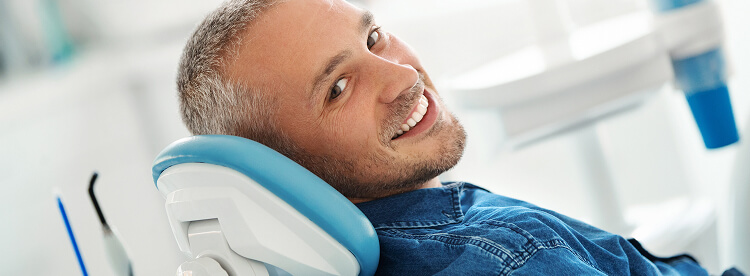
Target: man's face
345	90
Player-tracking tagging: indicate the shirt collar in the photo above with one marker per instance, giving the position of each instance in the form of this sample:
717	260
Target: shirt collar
416	209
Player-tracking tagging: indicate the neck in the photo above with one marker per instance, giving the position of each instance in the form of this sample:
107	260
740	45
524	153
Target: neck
432	183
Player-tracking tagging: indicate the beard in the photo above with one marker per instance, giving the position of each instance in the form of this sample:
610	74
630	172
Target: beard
377	174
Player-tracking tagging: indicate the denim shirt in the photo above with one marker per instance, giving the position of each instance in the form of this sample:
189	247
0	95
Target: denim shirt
462	229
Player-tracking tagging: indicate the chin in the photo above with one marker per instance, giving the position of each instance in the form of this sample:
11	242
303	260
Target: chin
414	171
378	175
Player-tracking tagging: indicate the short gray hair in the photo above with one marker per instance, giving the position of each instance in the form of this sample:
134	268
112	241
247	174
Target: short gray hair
210	103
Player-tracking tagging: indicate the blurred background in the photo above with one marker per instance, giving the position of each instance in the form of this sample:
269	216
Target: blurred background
88	86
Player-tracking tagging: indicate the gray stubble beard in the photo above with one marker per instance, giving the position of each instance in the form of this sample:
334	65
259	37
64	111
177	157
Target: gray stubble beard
352	179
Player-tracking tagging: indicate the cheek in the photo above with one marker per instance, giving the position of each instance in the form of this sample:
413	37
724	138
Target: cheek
354	125
300	124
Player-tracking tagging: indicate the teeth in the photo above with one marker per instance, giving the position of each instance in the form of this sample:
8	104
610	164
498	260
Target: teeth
422	109
423	101
415	117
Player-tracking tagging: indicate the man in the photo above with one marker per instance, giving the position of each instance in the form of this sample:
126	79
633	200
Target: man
320	82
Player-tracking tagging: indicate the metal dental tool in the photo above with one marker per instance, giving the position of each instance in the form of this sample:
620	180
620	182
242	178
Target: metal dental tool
116	254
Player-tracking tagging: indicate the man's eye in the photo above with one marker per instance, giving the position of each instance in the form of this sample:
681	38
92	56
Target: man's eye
338	88
373	38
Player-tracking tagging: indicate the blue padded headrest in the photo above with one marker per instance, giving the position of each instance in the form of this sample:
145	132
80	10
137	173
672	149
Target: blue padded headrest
300	188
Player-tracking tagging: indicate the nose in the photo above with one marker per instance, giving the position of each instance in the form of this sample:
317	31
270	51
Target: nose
394	78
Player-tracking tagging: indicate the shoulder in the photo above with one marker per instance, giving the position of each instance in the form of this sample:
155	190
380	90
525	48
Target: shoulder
534	225
482	207
487	241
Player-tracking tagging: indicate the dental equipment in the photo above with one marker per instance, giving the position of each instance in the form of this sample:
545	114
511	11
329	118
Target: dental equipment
72	237
577	78
692	31
605	69
237	207
118	258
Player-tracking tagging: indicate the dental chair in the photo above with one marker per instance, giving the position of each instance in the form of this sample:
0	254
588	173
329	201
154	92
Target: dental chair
237	207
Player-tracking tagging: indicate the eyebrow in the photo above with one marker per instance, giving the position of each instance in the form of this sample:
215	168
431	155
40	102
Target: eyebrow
366	20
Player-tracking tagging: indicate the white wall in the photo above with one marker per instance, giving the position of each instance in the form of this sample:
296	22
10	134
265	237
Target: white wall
110	112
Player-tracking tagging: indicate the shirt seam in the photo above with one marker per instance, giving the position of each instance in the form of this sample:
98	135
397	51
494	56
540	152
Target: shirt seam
562	245
415	224
507	260
456	200
537	244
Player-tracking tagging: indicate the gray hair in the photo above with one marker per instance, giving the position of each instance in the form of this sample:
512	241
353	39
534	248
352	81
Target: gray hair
210	103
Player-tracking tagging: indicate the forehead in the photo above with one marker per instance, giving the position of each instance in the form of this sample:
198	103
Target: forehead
293	39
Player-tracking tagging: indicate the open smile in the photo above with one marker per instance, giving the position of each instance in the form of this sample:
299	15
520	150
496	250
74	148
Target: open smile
421	118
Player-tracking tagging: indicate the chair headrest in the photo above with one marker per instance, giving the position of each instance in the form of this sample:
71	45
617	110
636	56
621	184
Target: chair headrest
289	181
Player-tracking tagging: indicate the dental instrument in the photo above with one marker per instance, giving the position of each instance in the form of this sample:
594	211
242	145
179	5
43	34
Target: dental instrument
72	237
116	254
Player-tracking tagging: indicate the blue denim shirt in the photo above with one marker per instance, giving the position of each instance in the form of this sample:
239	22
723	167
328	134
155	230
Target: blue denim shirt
462	229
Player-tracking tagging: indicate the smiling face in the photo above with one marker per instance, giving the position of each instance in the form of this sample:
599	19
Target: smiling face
354	99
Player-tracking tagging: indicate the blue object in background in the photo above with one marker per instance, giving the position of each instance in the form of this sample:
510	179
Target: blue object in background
703	79
667	5
72	237
59	42
712	111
